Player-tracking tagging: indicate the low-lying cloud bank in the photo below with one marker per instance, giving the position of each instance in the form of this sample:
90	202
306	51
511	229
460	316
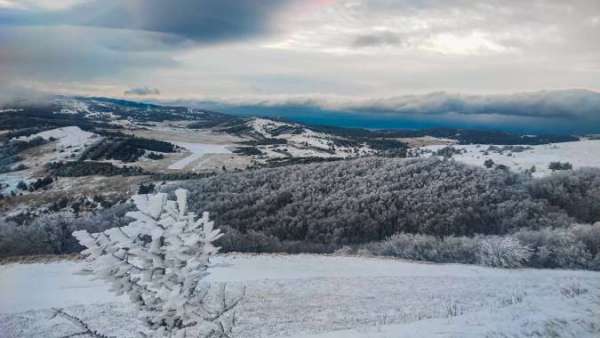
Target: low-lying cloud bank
545	104
559	111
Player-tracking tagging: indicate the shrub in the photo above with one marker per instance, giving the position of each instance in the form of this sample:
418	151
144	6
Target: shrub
259	242
448	152
427	248
155	156
589	235
502	252
253	241
556	248
560	166
576	192
575	247
22	185
146	189
41	183
51	233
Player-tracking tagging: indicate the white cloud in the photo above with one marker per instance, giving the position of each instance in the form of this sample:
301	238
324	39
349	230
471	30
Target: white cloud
356	48
40	4
466	44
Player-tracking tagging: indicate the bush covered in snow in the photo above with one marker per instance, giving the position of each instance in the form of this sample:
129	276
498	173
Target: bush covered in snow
425	248
577	192
51	233
259	242
160	261
560	166
503	252
575	247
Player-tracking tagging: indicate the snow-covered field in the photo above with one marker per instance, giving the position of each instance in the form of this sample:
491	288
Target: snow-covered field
65	136
198	150
9	181
303	142
330	297
585	153
65	143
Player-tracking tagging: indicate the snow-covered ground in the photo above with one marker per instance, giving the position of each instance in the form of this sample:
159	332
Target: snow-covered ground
68	140
330	297
301	141
9	181
66	136
198	150
585	153
66	143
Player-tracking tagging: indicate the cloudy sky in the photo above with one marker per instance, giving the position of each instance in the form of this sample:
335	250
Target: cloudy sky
256	48
332	50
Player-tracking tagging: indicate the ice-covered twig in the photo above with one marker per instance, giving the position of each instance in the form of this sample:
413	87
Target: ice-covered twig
86	330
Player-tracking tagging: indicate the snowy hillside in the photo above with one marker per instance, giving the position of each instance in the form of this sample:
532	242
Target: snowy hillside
580	154
68	138
59	144
328	296
301	141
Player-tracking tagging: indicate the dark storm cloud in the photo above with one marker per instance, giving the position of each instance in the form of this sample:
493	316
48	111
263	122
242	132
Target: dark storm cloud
74	53
203	21
141	91
112	38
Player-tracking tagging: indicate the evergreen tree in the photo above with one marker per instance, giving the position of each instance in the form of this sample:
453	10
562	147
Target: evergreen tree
159	260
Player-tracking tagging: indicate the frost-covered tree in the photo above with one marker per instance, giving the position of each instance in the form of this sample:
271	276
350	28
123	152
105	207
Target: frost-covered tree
577	192
371	199
160	261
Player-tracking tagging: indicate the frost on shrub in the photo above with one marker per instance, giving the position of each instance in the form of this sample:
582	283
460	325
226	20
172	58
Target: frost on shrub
505	252
571	248
345	251
575	247
427	248
159	260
